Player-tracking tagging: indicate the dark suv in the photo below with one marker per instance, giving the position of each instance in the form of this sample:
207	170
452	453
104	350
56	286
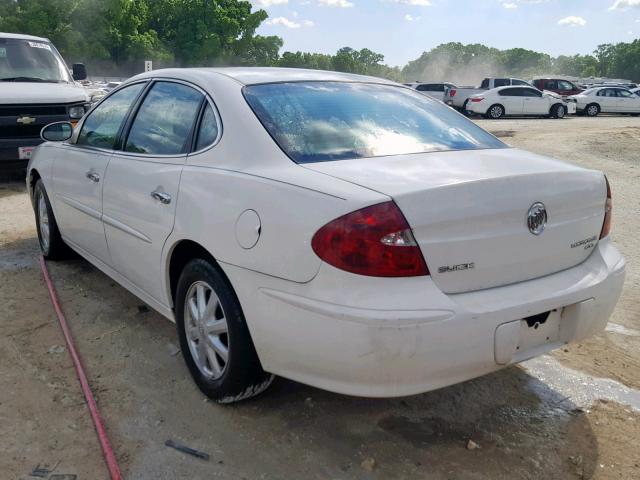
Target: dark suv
557	85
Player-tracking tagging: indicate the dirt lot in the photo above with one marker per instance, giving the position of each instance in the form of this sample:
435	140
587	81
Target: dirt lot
572	415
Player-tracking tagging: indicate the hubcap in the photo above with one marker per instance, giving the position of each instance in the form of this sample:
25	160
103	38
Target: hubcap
561	112
592	110
43	222
206	330
496	112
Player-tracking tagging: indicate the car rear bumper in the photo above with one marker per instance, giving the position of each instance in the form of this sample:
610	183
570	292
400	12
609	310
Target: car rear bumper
394	337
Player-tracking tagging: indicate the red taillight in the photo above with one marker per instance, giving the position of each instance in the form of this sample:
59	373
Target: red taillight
452	92
375	241
477	99
608	206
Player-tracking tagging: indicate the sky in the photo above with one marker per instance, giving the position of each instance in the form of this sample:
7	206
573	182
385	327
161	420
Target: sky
402	29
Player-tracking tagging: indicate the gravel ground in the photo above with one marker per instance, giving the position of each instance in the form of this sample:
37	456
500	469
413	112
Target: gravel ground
571	415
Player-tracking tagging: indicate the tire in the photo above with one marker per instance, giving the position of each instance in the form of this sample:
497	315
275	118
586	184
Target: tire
558	111
464	110
495	112
219	353
51	244
592	110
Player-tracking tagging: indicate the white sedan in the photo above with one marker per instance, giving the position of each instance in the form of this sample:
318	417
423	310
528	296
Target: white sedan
598	100
519	101
342	231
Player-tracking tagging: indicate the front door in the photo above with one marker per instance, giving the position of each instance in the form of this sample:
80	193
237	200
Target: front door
78	176
79	173
141	188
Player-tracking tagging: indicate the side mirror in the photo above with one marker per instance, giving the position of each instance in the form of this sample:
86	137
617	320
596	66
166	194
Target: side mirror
57	132
79	71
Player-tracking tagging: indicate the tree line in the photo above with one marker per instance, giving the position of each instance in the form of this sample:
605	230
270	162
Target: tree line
117	35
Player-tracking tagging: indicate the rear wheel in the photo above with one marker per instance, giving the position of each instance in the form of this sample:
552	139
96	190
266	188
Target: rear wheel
558	111
592	110
495	112
51	244
215	341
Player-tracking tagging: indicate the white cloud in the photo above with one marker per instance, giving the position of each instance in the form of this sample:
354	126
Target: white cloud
411	18
623	4
415	3
285	22
335	3
572	21
268	3
510	5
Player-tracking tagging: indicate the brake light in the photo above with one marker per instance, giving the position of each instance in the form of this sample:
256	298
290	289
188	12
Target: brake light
477	99
452	92
608	207
375	241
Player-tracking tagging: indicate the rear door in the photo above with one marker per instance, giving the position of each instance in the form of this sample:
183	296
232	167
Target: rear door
512	100
141	187
608	100
79	173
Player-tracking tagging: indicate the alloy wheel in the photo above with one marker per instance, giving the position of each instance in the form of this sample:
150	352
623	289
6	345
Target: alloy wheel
206	330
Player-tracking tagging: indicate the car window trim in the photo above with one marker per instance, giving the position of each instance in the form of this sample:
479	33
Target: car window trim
134	113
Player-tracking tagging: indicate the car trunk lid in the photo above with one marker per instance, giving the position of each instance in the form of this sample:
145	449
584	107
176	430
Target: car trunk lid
469	211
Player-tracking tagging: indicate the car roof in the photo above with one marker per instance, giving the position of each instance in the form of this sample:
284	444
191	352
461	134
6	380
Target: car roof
504	87
20	36
256	75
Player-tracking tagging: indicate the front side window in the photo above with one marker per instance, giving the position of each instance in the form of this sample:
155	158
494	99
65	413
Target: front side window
530	92
501	82
564	85
101	127
164	121
31	61
623	93
519	82
550	85
324	121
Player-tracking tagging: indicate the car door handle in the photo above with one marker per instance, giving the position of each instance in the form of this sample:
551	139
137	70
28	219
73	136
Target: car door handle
93	176
162	197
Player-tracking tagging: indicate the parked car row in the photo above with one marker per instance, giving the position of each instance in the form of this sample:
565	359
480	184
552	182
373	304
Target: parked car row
551	97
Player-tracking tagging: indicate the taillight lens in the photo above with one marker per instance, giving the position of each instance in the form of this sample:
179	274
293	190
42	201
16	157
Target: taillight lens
477	99
608	207
452	92
374	241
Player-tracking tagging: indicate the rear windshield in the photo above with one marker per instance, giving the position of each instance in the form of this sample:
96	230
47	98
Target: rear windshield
323	121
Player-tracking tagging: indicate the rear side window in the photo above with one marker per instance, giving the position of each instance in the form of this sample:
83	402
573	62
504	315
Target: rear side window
485	83
164	121
501	82
208	131
519	82
323	121
101	127
550	84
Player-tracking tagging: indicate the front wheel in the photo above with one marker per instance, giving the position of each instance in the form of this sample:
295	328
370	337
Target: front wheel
51	244
558	111
592	110
495	112
215	341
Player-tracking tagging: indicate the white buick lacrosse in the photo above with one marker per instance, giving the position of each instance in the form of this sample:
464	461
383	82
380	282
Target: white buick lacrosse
342	231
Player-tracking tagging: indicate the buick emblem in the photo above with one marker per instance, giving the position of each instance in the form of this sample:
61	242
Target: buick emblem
537	218
25	120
